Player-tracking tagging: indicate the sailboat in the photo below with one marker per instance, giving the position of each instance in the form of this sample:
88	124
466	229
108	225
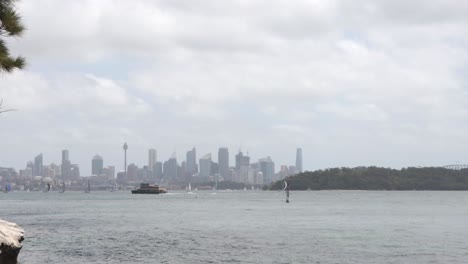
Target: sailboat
286	189
47	189
114	187
215	187
63	188
88	190
189	189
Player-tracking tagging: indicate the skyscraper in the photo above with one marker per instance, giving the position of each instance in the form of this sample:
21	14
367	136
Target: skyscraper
267	167
205	165
65	155
132	172
30	168
109	171
97	164
242	160
299	160
158	170
223	163
74	171
170	168
192	162
66	166
55	168
151	159
38	165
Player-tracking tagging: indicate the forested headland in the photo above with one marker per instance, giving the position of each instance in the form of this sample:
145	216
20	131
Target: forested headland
376	178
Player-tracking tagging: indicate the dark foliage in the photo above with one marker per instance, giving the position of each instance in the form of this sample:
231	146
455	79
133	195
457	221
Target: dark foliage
375	178
10	26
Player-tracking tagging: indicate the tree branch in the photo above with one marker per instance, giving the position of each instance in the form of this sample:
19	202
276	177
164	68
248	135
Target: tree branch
5	110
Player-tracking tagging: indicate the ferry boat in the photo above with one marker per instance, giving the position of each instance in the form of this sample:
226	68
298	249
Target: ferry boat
145	188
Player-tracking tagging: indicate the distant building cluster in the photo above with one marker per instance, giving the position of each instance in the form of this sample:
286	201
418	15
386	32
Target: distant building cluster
207	169
169	172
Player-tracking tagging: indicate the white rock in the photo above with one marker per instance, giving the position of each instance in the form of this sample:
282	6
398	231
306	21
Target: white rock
11	234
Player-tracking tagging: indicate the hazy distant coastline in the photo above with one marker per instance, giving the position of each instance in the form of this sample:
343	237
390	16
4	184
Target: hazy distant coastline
376	178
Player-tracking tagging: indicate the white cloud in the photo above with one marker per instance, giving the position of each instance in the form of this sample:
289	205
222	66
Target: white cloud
365	112
319	74
289	128
22	90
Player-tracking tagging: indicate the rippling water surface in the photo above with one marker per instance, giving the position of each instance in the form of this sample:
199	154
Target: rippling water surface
241	227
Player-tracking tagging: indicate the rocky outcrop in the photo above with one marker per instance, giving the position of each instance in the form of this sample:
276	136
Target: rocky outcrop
11	236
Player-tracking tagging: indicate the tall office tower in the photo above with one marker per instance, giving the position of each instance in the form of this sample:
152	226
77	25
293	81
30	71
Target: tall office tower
29	171
223	163
38	165
158	170
182	173
74	172
238	159
284	172
97	164
267	167
170	168
55	168
242	160
165	170
192	162
151	159
109	171
214	168
125	147
299	160
259	178
65	170
132	172
30	165
205	165
65	155
47	171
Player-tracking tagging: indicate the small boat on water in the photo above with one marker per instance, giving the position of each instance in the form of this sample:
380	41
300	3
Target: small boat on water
88	190
63	188
114	187
189	189
146	188
47	189
215	187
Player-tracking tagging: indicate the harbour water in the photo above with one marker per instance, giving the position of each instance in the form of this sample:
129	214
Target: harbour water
241	227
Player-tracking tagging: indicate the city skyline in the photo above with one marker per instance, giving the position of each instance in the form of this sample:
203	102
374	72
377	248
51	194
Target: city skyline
246	171
98	162
140	157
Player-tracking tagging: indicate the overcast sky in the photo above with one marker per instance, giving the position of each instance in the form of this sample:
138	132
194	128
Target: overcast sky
351	82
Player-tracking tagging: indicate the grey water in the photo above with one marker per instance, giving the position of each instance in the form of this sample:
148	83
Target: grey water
241	227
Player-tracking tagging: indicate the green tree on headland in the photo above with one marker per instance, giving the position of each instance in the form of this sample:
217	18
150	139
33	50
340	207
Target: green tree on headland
10	26
375	178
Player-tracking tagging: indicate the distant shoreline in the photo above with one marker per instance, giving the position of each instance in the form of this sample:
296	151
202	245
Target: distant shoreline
378	179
